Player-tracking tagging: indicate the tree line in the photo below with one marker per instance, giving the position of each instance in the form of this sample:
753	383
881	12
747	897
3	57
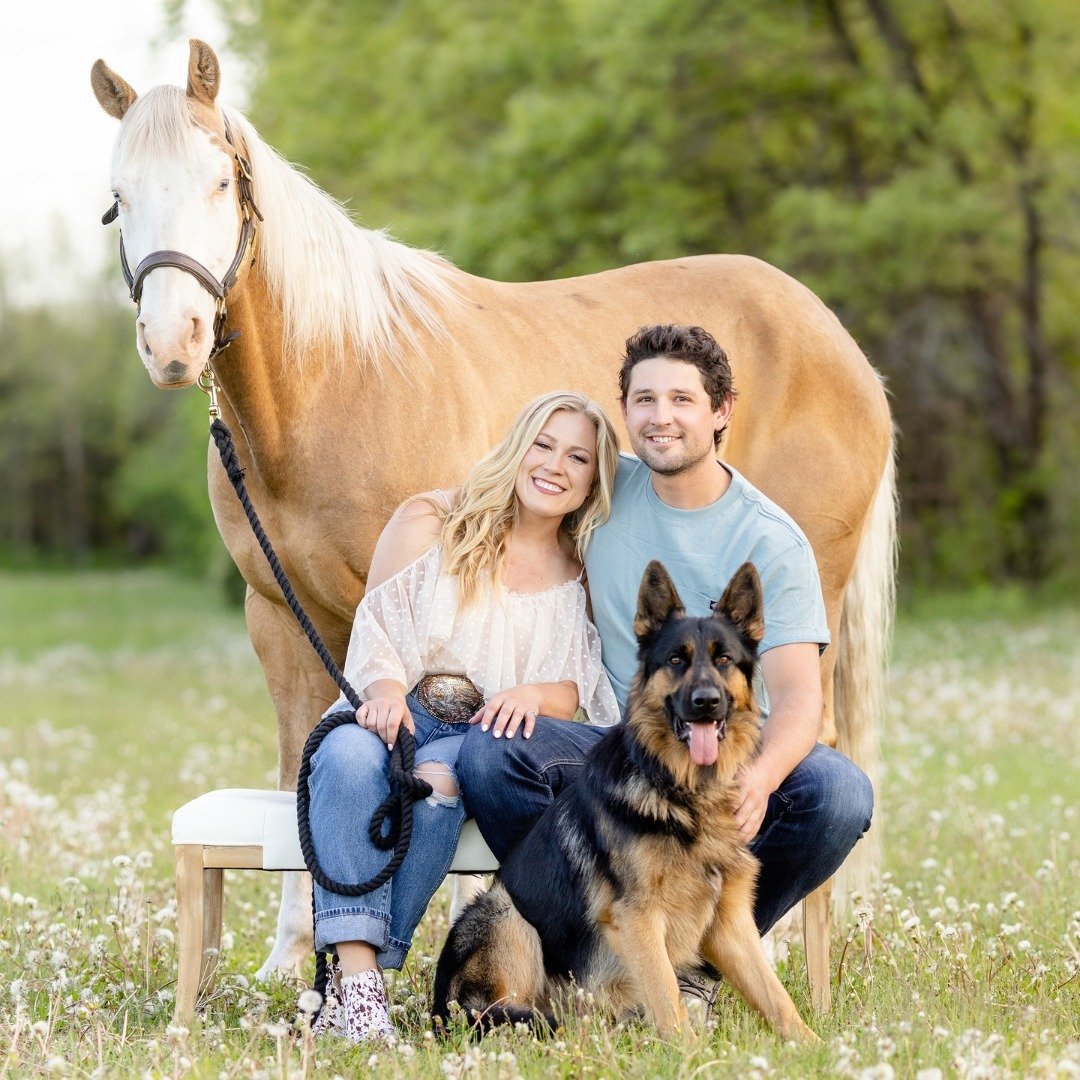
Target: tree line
915	164
98	466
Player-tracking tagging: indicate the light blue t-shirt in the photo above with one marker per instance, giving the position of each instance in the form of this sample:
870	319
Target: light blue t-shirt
701	550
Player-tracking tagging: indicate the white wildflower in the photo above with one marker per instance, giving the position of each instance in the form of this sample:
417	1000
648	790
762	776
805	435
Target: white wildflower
309	1001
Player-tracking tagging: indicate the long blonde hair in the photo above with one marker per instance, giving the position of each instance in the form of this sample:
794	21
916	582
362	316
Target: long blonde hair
475	529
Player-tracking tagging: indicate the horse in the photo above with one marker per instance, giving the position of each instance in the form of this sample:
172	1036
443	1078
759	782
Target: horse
365	371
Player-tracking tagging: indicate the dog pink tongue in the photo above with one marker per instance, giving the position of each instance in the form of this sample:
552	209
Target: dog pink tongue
704	745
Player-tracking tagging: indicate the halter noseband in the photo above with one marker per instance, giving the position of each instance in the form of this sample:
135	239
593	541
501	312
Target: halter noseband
219	290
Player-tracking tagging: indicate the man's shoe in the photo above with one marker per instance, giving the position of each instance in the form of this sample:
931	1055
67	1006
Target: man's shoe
698	992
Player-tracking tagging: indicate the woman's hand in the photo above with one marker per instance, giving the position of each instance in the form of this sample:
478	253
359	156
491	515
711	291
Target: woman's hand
384	715
515	708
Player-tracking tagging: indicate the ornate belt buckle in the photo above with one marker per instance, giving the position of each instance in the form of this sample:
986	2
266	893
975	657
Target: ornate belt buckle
453	699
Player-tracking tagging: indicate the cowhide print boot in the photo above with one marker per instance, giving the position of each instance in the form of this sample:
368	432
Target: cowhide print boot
332	1016
366	1007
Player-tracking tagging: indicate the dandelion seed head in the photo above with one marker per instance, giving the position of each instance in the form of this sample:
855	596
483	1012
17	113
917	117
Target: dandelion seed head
309	1001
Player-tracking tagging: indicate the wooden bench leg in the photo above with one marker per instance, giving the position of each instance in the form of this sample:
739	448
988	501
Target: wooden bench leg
190	926
816	942
199	901
213	885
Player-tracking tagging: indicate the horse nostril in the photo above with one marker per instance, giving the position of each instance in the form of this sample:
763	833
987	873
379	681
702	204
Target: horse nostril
140	337
197	329
705	699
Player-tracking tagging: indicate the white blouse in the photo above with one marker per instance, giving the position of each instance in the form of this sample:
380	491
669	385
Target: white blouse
411	626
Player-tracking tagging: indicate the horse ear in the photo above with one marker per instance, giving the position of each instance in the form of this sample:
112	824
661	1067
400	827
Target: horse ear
203	73
114	95
743	603
658	601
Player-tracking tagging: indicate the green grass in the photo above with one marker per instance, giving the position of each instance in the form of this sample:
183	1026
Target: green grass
124	694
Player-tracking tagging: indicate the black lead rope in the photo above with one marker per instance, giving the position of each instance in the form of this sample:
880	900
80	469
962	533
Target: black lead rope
391	824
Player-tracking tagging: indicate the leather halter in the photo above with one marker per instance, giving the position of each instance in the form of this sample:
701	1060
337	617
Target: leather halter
217	289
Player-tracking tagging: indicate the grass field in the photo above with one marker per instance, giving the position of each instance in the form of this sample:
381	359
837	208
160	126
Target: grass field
123	695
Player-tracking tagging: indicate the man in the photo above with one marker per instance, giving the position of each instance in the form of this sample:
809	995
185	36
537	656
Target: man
803	806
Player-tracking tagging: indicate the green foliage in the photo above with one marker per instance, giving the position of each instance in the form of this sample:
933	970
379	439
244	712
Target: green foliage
161	485
97	463
915	164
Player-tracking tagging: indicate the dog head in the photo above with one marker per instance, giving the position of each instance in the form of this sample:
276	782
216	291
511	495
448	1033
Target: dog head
693	693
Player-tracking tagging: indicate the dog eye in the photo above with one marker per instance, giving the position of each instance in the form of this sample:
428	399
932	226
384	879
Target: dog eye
676	661
723	661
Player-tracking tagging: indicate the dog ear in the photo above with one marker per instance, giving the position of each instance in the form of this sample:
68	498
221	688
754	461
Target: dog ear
743	603
658	601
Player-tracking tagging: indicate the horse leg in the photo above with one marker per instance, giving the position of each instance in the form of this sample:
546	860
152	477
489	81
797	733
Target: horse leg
465	888
301	691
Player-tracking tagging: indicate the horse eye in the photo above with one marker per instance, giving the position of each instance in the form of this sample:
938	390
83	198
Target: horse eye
224	185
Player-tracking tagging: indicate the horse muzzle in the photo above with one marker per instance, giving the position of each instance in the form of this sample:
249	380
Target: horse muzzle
174	346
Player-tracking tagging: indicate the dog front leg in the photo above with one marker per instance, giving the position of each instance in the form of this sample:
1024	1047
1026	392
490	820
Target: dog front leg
732	946
637	938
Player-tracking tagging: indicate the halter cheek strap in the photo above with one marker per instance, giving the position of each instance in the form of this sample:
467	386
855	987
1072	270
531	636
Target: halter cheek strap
219	290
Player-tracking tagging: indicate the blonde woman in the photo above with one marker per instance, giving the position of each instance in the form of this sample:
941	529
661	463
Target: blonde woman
475	613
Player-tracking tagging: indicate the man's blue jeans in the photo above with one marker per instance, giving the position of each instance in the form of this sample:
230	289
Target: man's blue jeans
349	779
813	820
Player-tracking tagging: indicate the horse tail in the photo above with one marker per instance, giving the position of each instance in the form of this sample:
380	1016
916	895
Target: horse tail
859	680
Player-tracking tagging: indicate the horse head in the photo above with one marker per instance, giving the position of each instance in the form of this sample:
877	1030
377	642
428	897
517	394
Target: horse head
182	194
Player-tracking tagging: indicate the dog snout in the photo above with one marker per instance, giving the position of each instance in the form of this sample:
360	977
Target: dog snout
705	700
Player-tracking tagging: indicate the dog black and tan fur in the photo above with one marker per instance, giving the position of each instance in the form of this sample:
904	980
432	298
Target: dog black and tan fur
637	871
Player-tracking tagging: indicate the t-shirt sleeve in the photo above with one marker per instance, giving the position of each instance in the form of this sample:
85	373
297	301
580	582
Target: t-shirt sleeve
794	607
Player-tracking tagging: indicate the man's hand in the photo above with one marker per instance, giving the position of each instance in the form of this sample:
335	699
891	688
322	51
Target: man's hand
754	790
793	680
384	716
515	708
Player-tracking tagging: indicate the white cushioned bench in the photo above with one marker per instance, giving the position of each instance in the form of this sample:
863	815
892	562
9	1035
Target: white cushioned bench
246	829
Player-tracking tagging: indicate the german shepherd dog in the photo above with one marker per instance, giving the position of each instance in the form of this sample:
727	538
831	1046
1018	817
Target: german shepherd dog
636	871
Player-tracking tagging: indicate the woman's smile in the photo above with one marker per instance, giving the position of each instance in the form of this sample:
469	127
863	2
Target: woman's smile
557	471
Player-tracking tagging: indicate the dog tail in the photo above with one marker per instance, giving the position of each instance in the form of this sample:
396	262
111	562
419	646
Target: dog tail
859	682
491	956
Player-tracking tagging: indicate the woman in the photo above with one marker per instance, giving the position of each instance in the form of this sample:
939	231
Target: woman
484	583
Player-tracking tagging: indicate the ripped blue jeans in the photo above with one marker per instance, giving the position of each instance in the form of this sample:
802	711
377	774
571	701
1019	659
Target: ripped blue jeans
349	779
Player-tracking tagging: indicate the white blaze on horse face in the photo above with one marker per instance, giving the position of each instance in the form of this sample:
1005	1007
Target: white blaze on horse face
188	205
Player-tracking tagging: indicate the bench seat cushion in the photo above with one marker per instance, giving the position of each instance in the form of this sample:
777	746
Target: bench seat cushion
252	817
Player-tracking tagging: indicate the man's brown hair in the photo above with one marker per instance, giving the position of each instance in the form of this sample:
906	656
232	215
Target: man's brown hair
689	344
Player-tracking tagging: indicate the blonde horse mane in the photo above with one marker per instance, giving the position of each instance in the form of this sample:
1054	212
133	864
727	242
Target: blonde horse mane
342	290
860	681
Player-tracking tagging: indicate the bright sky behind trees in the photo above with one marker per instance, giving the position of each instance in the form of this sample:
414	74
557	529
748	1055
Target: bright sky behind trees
54	181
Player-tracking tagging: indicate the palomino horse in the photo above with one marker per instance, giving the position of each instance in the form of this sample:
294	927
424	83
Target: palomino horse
366	371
